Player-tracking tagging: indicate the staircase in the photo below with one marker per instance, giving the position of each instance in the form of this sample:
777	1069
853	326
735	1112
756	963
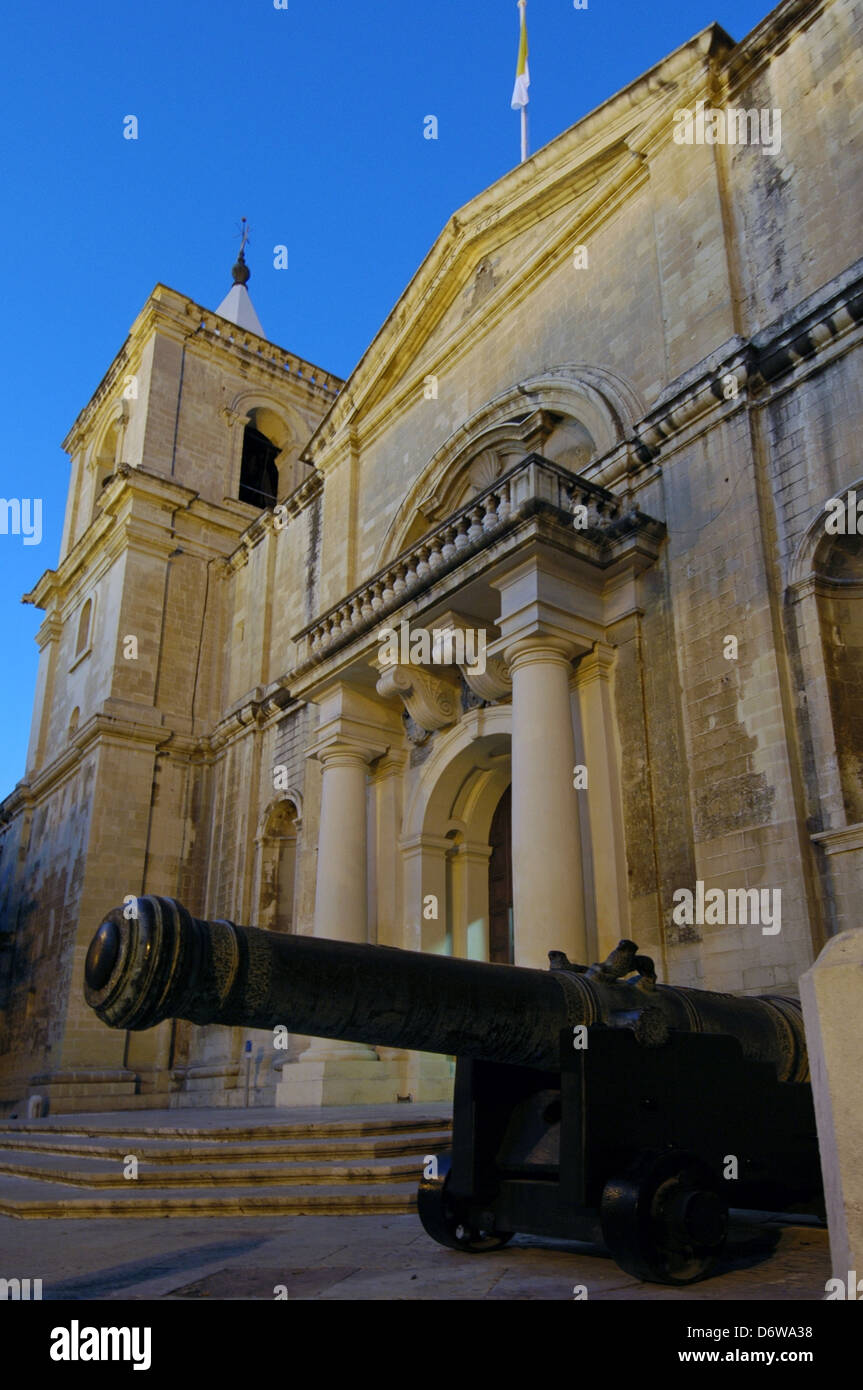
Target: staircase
341	1160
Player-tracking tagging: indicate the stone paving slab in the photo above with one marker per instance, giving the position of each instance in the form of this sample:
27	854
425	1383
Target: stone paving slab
373	1258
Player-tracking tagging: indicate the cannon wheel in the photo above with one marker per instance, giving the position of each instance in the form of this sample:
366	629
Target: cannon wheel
445	1219
665	1220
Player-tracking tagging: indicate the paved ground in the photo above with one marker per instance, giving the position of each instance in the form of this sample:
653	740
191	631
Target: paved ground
359	1257
369	1257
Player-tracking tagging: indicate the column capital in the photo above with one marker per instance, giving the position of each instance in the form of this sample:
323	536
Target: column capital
391	764
596	665
540	597
354	719
538	647
423	843
473	852
344	754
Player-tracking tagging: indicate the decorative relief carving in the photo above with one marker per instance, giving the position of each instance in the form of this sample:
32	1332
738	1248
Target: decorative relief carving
483	284
494	682
430	701
484	469
233	417
469	698
415	732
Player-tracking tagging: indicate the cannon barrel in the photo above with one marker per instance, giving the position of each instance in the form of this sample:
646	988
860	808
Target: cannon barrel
152	960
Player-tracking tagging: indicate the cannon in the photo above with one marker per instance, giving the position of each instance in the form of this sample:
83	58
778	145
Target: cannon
591	1102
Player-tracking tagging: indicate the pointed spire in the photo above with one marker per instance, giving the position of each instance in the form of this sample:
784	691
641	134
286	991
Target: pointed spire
237	306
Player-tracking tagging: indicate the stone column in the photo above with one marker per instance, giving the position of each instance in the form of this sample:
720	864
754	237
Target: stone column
386	896
354	729
341	888
341	891
547	617
470	917
602	796
422	1075
424	867
548	894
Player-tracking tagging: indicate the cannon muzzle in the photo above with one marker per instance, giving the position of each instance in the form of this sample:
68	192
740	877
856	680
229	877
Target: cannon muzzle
152	960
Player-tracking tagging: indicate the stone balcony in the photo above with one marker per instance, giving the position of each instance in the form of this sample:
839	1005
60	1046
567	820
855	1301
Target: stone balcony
438	564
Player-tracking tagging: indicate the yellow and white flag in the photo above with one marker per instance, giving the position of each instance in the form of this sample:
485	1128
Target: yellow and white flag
522	72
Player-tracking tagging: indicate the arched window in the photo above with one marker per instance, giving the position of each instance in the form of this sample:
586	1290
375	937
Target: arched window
259	476
105	459
84	621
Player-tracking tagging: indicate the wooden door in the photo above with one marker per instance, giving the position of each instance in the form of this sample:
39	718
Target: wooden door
500	883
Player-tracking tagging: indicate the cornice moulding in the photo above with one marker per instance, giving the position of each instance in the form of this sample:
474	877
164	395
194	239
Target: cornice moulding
771	36
175	316
844	839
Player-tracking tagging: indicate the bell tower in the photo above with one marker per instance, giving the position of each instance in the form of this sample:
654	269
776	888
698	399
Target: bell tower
193	435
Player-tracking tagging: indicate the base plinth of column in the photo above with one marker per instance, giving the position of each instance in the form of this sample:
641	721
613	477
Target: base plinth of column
80	1089
337	1081
331	1050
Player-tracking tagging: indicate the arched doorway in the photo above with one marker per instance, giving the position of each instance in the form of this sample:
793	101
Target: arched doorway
445	837
500	937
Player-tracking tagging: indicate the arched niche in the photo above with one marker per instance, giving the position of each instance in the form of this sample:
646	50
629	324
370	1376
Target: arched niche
277	839
826	599
839	599
572	415
85	619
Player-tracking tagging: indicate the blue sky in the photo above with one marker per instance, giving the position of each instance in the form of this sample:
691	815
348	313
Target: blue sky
309	121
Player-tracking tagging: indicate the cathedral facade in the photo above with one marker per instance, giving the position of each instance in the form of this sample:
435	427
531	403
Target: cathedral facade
543	629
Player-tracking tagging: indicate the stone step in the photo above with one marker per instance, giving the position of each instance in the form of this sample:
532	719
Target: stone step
219	1163
26	1199
157	1149
95	1172
241	1129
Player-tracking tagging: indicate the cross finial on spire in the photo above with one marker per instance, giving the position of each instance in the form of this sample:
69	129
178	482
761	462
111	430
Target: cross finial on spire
240	270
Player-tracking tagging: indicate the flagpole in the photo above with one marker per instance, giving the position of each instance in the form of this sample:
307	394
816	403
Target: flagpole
520	94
